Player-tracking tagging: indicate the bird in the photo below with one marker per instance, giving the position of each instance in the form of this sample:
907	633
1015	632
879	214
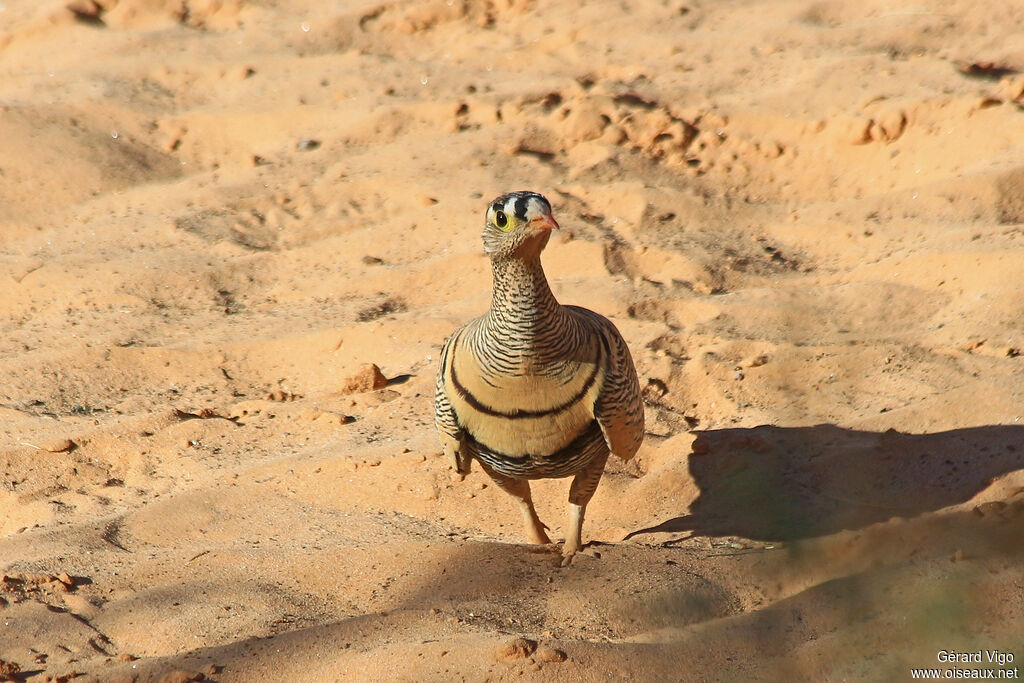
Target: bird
533	389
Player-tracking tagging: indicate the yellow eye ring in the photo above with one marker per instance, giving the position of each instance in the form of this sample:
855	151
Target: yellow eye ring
501	220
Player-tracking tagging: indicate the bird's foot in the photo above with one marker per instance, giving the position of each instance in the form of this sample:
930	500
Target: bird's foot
536	530
569	551
546	550
537	536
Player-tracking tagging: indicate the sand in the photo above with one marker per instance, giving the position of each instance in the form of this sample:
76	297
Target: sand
807	220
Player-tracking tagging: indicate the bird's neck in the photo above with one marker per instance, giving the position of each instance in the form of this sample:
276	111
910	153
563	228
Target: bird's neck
522	300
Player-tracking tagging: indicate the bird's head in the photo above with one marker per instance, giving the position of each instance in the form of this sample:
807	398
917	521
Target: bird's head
518	225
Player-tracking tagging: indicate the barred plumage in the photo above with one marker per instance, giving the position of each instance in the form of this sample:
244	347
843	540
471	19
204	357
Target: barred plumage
533	389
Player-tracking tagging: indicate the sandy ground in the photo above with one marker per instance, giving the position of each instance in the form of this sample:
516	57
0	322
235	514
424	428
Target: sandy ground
807	219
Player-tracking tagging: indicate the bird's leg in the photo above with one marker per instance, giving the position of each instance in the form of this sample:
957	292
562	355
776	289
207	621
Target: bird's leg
520	490
455	451
580	492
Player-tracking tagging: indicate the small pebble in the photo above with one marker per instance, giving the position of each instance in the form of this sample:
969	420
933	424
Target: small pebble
519	648
59	446
86	10
369	378
550	654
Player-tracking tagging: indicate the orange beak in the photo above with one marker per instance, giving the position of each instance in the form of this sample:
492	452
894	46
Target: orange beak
544	223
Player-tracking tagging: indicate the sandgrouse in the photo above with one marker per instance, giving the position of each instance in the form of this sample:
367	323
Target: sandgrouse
533	389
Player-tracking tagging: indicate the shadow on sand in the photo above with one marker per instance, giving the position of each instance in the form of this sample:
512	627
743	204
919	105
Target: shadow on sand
787	483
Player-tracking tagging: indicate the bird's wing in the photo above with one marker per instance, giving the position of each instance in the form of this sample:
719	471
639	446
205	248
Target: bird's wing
445	419
619	408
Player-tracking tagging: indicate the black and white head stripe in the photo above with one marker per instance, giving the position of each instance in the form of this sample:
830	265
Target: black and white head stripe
521	204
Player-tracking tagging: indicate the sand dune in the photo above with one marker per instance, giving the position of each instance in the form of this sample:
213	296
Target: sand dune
806	219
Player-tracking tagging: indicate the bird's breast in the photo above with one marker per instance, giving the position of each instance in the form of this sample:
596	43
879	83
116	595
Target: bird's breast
527	411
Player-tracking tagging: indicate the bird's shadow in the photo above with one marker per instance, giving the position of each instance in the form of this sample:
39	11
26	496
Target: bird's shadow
787	483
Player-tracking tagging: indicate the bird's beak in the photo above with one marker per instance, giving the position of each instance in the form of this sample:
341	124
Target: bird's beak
544	223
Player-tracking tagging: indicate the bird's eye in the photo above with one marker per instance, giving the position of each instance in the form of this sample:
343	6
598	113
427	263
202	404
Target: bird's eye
501	220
